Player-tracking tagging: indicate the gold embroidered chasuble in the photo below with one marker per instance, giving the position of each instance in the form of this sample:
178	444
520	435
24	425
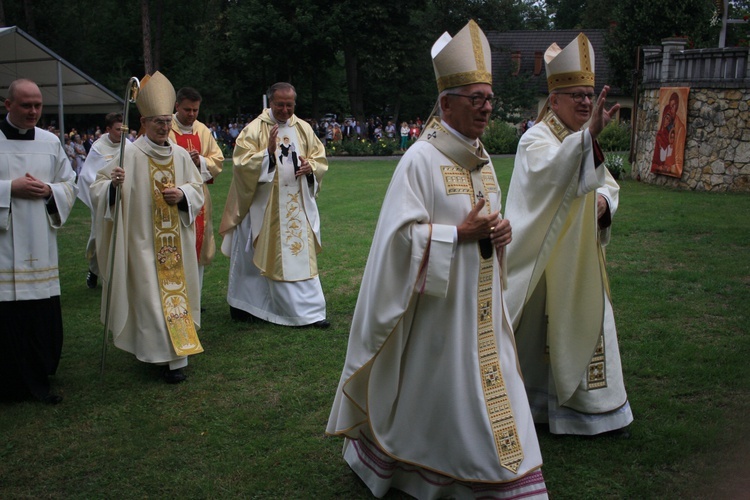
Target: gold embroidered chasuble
155	306
251	164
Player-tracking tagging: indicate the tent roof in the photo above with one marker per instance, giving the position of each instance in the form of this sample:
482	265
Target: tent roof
22	56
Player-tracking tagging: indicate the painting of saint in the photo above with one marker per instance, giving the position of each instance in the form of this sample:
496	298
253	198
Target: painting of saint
669	146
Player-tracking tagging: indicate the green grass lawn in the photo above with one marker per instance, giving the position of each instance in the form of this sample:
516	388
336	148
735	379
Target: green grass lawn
249	422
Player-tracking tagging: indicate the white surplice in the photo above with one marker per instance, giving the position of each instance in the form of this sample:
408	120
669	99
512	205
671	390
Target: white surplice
28	232
102	152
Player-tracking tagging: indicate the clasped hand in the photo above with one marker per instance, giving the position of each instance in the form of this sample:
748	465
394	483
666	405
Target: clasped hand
29	187
478	227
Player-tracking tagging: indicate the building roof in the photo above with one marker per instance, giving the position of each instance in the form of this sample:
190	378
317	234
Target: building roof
531	46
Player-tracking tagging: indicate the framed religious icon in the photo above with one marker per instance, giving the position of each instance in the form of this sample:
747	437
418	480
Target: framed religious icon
669	146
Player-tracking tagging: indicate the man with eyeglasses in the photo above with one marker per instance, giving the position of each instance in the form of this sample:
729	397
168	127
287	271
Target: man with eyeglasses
561	202
154	306
431	399
271	225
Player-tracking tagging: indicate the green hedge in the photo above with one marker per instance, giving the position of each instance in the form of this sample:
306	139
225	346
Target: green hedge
362	147
500	138
615	137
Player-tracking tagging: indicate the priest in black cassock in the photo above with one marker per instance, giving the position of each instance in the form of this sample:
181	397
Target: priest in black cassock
37	192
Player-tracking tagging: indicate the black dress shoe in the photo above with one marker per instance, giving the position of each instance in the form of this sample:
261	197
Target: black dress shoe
621	433
51	399
91	280
240	315
174	376
322	324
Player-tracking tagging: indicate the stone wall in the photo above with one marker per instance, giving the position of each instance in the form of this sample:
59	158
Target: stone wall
717	142
717	138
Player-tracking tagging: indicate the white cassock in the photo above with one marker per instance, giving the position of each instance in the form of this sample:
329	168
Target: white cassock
102	152
137	317
431	399
559	298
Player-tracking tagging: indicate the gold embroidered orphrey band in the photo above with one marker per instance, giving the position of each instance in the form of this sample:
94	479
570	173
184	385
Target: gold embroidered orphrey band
169	265
507	443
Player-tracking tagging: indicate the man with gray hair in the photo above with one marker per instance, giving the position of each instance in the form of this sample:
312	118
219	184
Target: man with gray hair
431	399
561	201
151	274
37	192
271	226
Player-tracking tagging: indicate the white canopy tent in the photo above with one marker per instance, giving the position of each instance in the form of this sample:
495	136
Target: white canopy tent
65	88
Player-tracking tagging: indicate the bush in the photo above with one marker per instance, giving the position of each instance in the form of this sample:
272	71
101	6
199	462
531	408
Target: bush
500	138
362	147
615	137
356	147
384	147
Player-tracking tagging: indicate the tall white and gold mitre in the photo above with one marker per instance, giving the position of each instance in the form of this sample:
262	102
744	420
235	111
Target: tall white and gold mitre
572	66
156	96
463	59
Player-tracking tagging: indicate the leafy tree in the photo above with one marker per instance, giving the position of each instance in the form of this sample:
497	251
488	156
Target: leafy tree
515	94
566	14
643	22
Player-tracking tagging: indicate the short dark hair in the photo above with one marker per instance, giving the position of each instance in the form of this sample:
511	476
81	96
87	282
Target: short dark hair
112	118
280	86
188	93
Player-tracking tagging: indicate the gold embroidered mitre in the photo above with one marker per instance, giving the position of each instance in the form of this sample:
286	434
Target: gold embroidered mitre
156	96
463	59
572	66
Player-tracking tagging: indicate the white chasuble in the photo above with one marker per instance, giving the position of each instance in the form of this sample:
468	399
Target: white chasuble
431	371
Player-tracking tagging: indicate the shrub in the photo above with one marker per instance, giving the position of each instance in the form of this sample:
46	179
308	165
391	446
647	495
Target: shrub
384	147
500	138
615	137
356	147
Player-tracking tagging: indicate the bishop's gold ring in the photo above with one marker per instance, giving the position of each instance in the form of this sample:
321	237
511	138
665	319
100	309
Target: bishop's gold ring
492	229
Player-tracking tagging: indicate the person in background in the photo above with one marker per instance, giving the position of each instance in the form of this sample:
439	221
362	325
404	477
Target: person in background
105	150
404	136
187	131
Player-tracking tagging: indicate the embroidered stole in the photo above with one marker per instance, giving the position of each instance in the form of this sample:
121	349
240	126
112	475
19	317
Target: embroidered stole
285	249
192	142
169	266
471	175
